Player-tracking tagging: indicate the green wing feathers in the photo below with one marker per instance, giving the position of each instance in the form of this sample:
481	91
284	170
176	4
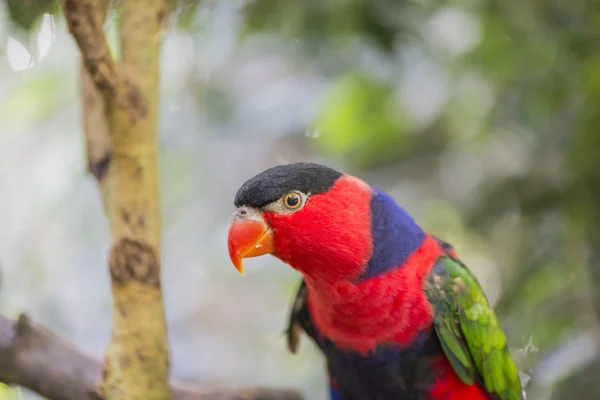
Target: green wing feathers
468	330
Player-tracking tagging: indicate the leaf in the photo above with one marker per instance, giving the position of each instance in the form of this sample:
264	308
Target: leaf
18	56
24	13
46	35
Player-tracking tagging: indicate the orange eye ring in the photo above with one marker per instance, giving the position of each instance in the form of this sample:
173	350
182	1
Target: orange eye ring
292	201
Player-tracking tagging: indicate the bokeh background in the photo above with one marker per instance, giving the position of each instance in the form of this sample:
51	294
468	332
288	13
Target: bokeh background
481	117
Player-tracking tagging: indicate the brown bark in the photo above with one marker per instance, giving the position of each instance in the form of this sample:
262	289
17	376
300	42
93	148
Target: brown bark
33	357
99	148
85	19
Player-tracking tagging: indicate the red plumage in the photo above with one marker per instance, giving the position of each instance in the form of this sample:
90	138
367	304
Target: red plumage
387	308
336	226
448	385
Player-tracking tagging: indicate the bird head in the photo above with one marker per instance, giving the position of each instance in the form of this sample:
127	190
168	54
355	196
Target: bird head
310	216
328	225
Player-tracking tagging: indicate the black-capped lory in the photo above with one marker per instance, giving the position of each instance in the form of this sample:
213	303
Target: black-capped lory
397	315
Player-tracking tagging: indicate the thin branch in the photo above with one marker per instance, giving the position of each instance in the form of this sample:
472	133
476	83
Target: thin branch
95	123
86	28
33	357
99	147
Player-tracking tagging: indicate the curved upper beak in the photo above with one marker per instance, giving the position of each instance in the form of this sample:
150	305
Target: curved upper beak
248	238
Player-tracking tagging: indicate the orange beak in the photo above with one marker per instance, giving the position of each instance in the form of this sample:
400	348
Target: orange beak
248	238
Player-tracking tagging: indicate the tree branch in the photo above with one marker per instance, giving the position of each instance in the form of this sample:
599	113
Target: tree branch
86	28
98	144
33	357
99	148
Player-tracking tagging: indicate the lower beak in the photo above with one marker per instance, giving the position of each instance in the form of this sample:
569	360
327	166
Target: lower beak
248	238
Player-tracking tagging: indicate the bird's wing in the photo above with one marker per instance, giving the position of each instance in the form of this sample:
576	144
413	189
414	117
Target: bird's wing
300	321
468	330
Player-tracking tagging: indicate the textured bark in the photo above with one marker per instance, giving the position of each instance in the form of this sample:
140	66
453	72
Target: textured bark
95	124
33	357
85	19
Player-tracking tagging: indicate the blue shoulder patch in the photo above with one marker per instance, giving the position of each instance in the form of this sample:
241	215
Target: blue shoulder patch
395	235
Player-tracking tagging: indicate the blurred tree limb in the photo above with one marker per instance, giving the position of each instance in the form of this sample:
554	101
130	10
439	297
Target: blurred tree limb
85	19
33	357
95	124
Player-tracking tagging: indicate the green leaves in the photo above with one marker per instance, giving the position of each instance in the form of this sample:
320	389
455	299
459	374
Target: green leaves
25	13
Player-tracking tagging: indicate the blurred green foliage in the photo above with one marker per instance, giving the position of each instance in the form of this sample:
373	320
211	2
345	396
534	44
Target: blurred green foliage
320	21
356	104
25	13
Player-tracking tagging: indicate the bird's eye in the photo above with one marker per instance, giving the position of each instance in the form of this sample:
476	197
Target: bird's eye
292	201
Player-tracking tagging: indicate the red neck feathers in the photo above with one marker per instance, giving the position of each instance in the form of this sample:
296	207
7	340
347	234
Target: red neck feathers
389	308
329	240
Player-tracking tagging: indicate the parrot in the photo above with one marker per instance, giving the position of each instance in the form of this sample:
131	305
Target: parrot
394	311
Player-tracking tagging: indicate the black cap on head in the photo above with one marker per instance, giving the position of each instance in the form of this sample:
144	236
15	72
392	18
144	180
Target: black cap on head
273	183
